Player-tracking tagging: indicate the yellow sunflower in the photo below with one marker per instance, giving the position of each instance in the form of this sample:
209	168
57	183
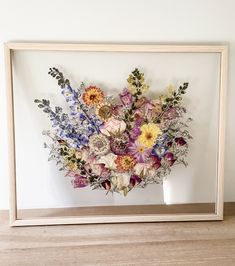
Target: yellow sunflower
93	96
149	133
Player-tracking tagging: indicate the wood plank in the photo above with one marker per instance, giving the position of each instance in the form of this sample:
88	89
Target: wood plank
214	252
179	243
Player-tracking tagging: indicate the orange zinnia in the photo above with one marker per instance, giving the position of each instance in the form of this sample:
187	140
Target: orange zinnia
93	96
125	163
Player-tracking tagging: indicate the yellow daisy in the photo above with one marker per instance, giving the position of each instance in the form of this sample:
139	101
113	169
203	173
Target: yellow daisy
149	133
93	96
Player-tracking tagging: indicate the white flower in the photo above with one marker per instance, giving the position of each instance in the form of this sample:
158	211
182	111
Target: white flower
96	169
142	168
113	126
120	181
109	161
99	144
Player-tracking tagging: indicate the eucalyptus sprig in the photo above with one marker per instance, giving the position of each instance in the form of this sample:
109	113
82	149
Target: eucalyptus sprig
56	115
173	100
55	73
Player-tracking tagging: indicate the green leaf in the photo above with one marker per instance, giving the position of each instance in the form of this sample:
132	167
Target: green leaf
45	102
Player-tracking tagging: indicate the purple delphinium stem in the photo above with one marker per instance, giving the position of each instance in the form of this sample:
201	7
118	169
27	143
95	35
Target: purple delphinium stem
89	119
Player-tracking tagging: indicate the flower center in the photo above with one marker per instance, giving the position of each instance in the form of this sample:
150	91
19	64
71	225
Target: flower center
105	111
148	136
99	144
92	97
127	161
141	149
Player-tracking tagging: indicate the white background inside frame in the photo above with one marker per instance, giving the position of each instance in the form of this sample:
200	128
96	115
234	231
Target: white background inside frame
41	185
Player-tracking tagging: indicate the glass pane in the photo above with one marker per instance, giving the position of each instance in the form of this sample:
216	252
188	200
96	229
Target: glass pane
40	185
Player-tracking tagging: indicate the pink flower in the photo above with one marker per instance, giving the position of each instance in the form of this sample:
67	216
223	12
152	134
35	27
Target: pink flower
141	101
142	169
79	181
140	152
113	126
169	157
139	116
117	110
149	109
106	184
146	109
171	113
126	97
104	171
98	169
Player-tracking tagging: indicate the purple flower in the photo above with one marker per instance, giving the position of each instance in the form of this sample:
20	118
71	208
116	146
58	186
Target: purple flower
180	141
69	94
135	180
82	117
140	152
169	157
156	162
169	144
135	132
119	143
79	181
126	97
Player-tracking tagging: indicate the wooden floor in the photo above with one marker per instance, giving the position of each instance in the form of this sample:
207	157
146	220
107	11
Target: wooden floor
180	243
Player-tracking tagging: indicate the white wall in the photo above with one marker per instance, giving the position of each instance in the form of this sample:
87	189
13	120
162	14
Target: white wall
149	21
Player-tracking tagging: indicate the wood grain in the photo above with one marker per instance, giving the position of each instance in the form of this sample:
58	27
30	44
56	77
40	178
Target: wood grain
179	243
119	47
11	133
116	214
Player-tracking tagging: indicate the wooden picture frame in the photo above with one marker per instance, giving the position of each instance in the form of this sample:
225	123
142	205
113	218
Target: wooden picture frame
116	217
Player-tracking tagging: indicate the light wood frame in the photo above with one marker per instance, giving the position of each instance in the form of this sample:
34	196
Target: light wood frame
116	218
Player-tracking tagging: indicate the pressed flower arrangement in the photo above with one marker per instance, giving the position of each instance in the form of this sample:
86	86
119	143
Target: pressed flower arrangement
117	144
